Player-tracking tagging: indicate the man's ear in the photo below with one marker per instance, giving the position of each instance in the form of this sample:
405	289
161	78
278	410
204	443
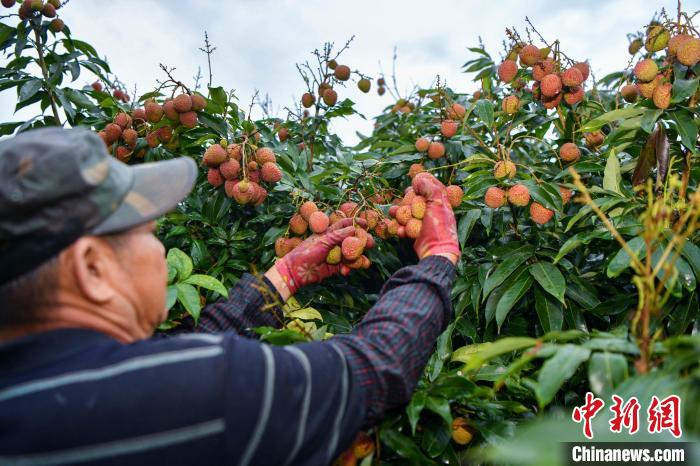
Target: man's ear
94	267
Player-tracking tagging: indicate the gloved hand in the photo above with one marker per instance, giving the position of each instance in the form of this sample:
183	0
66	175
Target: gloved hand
306	264
438	235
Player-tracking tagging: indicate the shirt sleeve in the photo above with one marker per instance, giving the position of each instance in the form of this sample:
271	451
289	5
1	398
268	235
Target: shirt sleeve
388	350
252	302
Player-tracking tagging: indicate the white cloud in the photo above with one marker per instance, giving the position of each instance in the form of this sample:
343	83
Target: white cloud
258	42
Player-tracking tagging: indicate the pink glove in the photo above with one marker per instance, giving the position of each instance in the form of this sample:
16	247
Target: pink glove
306	264
438	235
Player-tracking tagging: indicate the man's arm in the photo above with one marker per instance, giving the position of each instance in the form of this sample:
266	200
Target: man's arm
388	350
252	302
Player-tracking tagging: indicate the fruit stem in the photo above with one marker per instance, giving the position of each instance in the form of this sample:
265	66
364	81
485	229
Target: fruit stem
44	71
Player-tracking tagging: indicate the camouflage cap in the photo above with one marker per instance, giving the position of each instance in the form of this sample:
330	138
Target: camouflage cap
58	184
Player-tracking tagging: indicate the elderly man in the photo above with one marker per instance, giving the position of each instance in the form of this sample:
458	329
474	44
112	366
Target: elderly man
83	378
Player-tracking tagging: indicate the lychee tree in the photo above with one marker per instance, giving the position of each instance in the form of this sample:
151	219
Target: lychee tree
576	201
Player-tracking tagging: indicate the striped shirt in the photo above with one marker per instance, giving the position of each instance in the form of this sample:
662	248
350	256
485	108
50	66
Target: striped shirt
215	396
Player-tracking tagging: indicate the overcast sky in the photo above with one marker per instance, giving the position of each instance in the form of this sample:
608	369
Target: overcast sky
258	42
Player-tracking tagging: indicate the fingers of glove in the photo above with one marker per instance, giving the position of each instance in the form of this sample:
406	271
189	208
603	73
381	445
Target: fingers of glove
336	237
346	222
427	186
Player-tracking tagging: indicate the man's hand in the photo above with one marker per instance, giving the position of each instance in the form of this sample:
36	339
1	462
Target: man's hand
438	235
306	264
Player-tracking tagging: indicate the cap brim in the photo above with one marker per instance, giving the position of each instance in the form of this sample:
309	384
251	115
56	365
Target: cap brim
158	187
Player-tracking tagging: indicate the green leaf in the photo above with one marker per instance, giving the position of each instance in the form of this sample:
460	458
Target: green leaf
218	95
548	311
550	278
511	296
620	114
307	313
484	110
171	298
477	354
181	262
683	88
466	224
188	296
606	371
612	177
622	260
208	282
439	406
692	254
404	446
414	408
510	263
687	128
557	370
28	89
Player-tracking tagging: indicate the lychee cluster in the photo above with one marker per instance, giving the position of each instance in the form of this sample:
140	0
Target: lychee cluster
242	169
36	9
381	86
552	81
309	219
518	195
653	81
403	106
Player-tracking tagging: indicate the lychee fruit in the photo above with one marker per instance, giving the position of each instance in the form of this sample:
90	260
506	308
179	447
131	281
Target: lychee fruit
566	194
657	38
393	227
198	102
169	111
646	70
675	43
418	206
318	222
392	210
57	25
122	120
112	132
49	10
662	95
123	153
518	195
298	225
96	86
415	169
507	71
352	248
413	227
342	72
574	95
234	151
165	133
572	77
448	128
214	155
336	216
634	46
540	214
551	102
689	52
403	214
230	169
529	55
307	99
281	247
550	85
348	208
130	136
630	93
307	208
188	119
270	172
436	150
594	139
152	139
330	97
364	85
381	90
454	195
510	104
584	68
542	69
422	144
504	168
460	431
154	112
263	155
214	177
569	152
182	103
495	197
334	256
456	111
647	89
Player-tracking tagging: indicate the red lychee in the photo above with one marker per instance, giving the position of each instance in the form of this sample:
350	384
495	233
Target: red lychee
214	155
569	152
510	104
422	144
448	128
214	177
454	195
550	85
318	222
270	172
307	208
230	169
519	195
529	55
504	168
436	150
572	77
646	70
298	225
507	71
182	103
495	197
540	214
